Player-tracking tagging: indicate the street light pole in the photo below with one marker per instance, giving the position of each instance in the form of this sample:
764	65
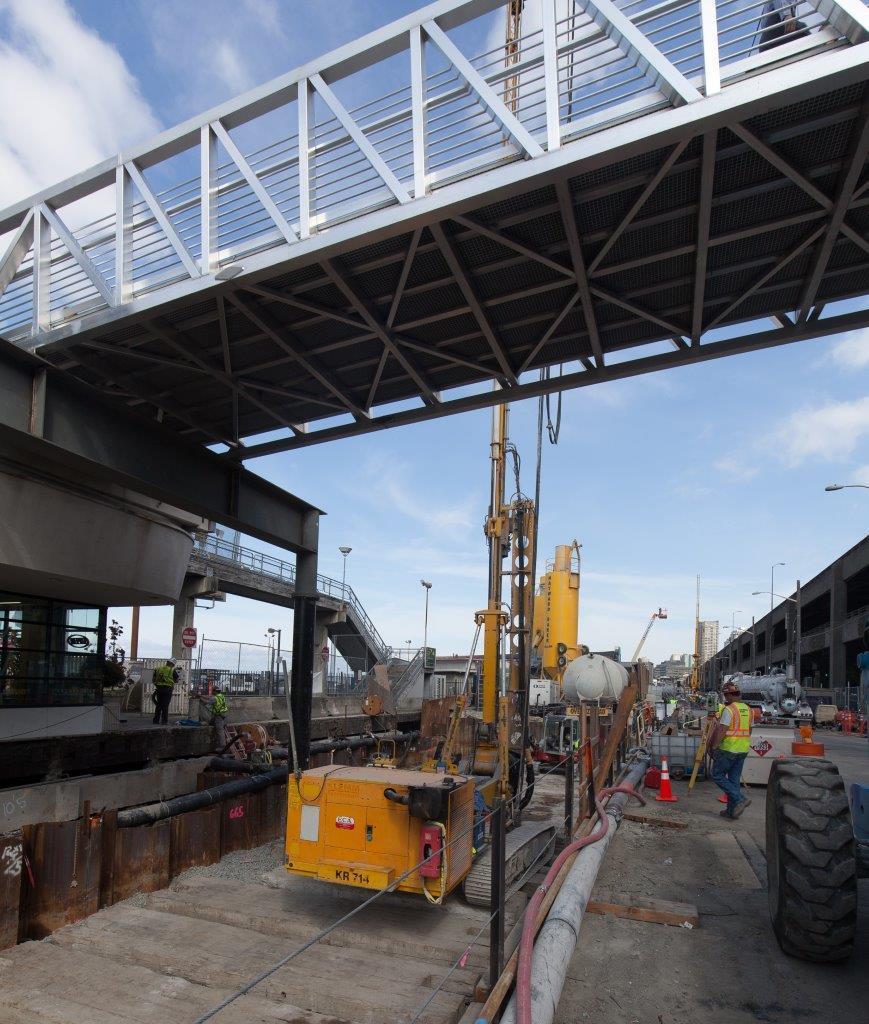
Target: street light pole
798	664
844	487
276	652
427	586
345	551
769	630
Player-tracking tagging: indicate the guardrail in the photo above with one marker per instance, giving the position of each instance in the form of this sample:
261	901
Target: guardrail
452	115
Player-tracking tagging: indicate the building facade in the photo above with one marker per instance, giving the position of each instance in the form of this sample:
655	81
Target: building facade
708	644
818	632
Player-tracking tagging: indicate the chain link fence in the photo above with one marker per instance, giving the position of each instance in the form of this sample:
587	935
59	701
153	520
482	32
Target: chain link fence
238	668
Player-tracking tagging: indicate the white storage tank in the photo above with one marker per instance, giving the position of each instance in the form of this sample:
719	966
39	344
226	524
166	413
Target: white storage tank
593	677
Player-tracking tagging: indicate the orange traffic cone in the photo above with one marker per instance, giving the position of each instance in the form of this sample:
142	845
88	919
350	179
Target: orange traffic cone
722	799
666	794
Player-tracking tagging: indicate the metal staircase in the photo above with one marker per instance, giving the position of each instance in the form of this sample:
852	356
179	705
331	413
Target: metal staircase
356	639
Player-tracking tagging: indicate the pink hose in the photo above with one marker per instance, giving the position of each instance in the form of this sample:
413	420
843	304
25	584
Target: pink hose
529	927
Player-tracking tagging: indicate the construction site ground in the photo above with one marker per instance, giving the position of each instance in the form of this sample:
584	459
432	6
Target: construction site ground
172	955
729	969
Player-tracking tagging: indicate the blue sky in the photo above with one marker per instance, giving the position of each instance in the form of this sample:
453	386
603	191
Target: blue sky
717	468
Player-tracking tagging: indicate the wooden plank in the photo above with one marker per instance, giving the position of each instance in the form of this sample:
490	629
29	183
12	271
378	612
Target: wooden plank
222	956
653	911
45	984
732	865
616	734
300	908
652	819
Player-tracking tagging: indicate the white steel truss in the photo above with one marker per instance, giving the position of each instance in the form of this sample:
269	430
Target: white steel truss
603	82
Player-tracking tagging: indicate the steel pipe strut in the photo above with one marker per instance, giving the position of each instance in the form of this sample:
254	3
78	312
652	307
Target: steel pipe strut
150	813
543	968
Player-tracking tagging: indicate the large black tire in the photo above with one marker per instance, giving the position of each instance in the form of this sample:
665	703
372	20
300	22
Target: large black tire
811	860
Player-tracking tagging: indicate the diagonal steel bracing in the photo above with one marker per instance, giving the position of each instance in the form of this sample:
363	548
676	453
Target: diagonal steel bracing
178	343
568	218
704	215
283	338
850	177
462	279
340	279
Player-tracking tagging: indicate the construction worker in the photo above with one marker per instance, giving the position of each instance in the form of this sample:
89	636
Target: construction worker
729	744
219	709
165	677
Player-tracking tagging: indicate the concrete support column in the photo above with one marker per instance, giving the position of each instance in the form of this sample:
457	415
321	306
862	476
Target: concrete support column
182	616
837	619
304	619
321	643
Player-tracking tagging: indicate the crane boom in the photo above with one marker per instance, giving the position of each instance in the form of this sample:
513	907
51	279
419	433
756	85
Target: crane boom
661	613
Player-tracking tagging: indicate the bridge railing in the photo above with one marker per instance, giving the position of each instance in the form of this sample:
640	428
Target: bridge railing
214	548
161	220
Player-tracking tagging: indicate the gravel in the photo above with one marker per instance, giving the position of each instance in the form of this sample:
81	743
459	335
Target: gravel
247	866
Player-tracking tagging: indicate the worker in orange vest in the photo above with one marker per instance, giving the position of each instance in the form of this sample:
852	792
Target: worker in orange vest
729	744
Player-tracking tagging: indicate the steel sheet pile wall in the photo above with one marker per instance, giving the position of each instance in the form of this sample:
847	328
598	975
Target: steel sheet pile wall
55	873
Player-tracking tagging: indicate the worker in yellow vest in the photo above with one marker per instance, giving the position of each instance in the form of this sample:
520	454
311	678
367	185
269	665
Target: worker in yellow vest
165	678
729	744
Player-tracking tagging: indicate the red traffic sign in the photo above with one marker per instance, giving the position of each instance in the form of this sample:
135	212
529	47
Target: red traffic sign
188	636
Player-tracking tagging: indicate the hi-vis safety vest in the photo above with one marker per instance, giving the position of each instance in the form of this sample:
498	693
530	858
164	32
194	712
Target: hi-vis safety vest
163	676
738	738
219	707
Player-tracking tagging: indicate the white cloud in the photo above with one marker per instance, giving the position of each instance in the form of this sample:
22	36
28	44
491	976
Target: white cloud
733	466
828	432
860	475
852	352
70	98
230	67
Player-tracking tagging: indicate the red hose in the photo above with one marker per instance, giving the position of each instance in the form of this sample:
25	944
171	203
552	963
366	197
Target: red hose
529	927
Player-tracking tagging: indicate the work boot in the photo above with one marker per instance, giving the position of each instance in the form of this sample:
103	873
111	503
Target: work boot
740	807
725	814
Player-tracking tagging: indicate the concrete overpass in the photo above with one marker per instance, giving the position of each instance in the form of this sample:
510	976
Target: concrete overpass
218	565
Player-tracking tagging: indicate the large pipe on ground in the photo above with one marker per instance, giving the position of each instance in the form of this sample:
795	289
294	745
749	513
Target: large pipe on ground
149	813
257	780
557	938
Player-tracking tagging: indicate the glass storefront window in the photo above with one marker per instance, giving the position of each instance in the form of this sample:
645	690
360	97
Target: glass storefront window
51	652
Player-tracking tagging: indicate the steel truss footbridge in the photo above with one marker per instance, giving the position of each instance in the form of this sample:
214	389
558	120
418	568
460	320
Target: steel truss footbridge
380	235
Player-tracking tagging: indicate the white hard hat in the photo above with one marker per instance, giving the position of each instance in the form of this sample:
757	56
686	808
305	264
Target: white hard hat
171	661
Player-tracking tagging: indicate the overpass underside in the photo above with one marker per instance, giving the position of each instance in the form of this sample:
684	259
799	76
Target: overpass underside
628	189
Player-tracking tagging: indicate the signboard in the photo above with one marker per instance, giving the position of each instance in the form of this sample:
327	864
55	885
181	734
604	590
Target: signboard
429	659
188	636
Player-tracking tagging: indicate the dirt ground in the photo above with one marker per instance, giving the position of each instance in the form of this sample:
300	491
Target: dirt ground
730	969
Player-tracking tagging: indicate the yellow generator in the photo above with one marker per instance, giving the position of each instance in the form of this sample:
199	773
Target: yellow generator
368	827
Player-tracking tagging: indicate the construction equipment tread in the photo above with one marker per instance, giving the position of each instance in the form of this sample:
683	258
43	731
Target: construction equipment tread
522	845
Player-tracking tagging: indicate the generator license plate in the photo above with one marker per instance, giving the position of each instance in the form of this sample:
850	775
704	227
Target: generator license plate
355	874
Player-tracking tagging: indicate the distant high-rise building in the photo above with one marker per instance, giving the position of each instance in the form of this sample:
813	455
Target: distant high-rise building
708	639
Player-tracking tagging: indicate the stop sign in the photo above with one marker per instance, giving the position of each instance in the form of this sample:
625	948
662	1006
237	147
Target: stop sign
188	636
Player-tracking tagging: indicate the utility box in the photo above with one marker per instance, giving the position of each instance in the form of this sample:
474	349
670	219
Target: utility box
542	692
368	827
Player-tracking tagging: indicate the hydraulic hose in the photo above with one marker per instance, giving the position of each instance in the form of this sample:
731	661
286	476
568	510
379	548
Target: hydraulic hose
529	928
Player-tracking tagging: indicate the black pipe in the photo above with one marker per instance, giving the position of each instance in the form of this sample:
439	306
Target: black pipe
150	813
233	764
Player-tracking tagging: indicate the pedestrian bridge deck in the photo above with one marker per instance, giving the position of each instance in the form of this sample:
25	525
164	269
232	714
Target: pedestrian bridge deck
631	187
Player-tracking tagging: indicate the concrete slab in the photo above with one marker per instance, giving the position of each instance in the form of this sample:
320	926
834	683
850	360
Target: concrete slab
730	970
